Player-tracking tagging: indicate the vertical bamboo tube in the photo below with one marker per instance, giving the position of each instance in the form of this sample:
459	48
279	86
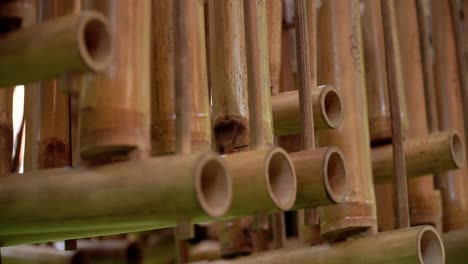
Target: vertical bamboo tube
228	75
448	97
340	58
424	207
275	24
114	110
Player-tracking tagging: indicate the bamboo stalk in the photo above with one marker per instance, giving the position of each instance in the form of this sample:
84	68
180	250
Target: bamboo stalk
327	104
340	59
79	43
275	23
424	206
115	109
456	245
411	245
201	177
449	105
321	177
438	152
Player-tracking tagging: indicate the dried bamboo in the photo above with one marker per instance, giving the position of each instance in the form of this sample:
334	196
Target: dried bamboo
456	246
228	75
79	43
115	109
412	245
328	110
449	105
424	208
321	177
340	59
438	152
6	130
275	23
376	75
201	177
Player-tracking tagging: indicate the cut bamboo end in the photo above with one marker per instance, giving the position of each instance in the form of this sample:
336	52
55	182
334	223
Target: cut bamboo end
331	106
263	179
94	41
456	149
321	176
430	247
213	186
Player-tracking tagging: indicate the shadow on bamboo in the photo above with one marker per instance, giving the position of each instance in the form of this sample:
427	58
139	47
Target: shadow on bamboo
42	51
328	110
412	245
438	152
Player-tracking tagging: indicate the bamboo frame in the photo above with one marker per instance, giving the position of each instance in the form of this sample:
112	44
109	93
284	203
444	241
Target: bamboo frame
327	104
438	152
80	43
450	111
115	108
339	33
411	245
202	177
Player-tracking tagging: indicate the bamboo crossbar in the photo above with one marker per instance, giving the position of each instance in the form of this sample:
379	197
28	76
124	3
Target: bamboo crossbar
327	104
69	43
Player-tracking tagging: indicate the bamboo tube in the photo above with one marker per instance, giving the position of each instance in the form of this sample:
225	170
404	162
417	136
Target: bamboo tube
275	23
321	176
438	152
448	97
456	246
328	110
339	33
228	75
79	43
202	177
163	93
6	130
412	245
376	75
115	109
424	209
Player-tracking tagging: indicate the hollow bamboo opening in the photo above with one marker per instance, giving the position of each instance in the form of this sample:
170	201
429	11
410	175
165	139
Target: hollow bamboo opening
332	107
457	149
430	247
335	177
281	180
213	187
94	42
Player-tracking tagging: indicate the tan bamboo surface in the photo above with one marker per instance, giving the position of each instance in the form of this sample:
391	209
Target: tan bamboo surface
449	105
228	75
376	75
421	245
201	177
456	246
340	59
424	208
6	130
80	43
275	24
321	176
327	104
115	108
438	152
163	86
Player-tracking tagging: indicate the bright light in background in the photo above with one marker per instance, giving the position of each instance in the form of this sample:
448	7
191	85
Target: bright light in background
18	113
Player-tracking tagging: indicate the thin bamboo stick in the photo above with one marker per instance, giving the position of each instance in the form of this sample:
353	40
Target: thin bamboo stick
327	104
411	245
424	208
438	152
201	177
340	59
456	246
449	105
115	109
275	24
79	43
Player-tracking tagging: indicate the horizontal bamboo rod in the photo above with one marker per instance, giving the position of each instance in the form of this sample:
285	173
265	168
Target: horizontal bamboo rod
421	245
438	152
147	191
69	43
456	246
321	176
328	110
